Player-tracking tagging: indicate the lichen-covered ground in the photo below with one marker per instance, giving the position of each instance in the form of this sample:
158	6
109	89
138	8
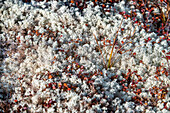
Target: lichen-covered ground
55	56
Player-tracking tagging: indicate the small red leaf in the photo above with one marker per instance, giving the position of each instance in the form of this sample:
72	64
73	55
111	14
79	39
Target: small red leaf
136	22
168	53
69	89
168	57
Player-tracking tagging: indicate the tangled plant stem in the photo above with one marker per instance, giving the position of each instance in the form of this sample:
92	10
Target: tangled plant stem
115	39
112	58
109	63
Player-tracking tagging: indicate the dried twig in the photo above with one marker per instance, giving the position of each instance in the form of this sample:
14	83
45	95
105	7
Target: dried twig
109	63
99	49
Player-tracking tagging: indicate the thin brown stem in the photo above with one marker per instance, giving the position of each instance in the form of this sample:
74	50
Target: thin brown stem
114	45
100	50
